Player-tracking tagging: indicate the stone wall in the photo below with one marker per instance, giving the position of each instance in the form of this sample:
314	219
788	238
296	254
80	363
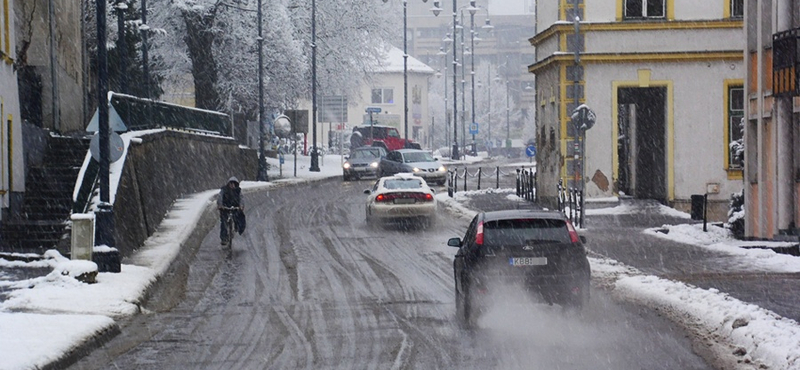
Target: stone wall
166	166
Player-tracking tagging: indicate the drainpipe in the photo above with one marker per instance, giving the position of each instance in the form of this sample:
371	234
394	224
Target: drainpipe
53	69
784	134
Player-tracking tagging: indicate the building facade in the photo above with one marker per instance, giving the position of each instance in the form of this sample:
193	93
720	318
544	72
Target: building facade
12	174
665	79
772	139
51	62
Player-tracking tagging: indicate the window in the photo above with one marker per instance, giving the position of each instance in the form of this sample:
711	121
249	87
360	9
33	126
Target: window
382	96
737	8
735	107
637	9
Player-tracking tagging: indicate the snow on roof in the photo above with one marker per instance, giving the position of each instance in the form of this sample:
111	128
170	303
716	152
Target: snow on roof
393	62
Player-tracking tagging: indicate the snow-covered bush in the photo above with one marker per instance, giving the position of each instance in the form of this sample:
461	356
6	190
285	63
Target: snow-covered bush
736	214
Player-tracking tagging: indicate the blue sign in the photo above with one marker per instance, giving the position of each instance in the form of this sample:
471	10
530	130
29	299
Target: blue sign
280	158
530	151
373	110
473	128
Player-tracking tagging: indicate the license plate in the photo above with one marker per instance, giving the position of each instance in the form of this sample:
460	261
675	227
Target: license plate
404	201
527	261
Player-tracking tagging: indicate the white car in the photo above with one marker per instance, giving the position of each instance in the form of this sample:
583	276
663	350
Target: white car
401	197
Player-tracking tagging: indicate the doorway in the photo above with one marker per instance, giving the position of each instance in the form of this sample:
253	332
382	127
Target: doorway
642	142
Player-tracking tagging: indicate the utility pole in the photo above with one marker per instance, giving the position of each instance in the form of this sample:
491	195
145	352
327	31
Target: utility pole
262	154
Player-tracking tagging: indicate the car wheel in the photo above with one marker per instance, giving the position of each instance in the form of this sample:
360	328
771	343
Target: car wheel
576	300
345	178
468	315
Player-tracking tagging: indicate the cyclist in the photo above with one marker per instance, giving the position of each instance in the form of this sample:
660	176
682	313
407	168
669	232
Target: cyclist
230	196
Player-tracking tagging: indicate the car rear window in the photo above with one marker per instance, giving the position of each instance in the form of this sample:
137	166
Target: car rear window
402	184
525	231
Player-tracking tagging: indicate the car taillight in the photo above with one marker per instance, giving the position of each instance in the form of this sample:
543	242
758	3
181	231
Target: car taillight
380	198
479	234
573	234
428	197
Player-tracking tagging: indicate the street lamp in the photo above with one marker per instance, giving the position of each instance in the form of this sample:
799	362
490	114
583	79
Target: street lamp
314	155
105	213
443	53
121	7
262	159
405	67
436	10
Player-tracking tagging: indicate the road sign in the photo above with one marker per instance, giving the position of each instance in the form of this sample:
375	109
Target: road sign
530	151
373	110
473	128
115	145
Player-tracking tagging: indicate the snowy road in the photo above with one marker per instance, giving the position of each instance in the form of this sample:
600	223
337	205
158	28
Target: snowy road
310	286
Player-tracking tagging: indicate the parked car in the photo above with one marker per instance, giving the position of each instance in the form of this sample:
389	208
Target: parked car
362	162
400	197
539	249
415	161
378	135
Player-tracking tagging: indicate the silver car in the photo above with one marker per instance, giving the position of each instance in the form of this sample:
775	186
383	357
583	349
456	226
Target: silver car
418	162
362	162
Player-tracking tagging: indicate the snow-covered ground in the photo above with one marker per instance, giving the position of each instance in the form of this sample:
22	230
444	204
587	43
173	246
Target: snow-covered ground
45	317
761	335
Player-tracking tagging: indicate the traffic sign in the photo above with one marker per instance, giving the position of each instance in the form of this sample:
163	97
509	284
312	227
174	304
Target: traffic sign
373	110
530	151
473	128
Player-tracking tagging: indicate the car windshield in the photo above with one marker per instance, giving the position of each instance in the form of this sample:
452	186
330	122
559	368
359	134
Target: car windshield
402	184
371	153
417	157
525	231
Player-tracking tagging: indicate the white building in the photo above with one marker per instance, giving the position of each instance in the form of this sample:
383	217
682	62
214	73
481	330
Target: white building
665	79
12	174
384	91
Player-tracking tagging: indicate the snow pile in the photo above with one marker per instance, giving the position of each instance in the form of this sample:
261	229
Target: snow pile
752	333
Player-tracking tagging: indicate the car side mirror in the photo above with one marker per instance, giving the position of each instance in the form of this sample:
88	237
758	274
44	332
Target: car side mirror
367	191
433	190
346	157
435	158
583	239
454	242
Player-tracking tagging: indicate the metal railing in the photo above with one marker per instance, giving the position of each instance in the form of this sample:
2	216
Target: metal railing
569	202
455	174
526	184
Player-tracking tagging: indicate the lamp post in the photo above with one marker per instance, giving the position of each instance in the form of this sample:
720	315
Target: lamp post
472	10
145	29
105	213
405	67
123	52
262	158
436	10
314	155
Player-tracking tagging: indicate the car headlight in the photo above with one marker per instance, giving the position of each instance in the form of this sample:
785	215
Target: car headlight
442	169
346	165
416	169
374	164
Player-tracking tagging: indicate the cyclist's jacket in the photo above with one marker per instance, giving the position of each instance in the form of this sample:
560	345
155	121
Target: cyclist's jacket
230	197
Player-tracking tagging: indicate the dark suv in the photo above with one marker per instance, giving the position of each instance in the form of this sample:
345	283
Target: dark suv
377	135
538	251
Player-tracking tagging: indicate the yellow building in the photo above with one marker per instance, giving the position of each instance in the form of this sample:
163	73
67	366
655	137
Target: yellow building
12	175
665	79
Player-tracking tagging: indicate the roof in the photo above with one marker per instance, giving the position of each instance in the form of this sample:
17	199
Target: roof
522	213
393	63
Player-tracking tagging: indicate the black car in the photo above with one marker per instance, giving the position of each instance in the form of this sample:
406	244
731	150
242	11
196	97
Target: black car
362	162
538	251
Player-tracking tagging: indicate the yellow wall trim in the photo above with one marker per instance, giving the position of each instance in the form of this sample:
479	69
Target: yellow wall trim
701	56
637	26
732	172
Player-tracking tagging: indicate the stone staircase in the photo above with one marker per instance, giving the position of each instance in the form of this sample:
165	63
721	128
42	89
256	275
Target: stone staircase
41	224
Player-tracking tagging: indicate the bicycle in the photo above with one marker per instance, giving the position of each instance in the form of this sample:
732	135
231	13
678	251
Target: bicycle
230	223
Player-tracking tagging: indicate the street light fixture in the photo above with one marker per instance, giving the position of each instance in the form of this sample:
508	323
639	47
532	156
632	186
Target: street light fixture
262	159
314	154
436	10
405	68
